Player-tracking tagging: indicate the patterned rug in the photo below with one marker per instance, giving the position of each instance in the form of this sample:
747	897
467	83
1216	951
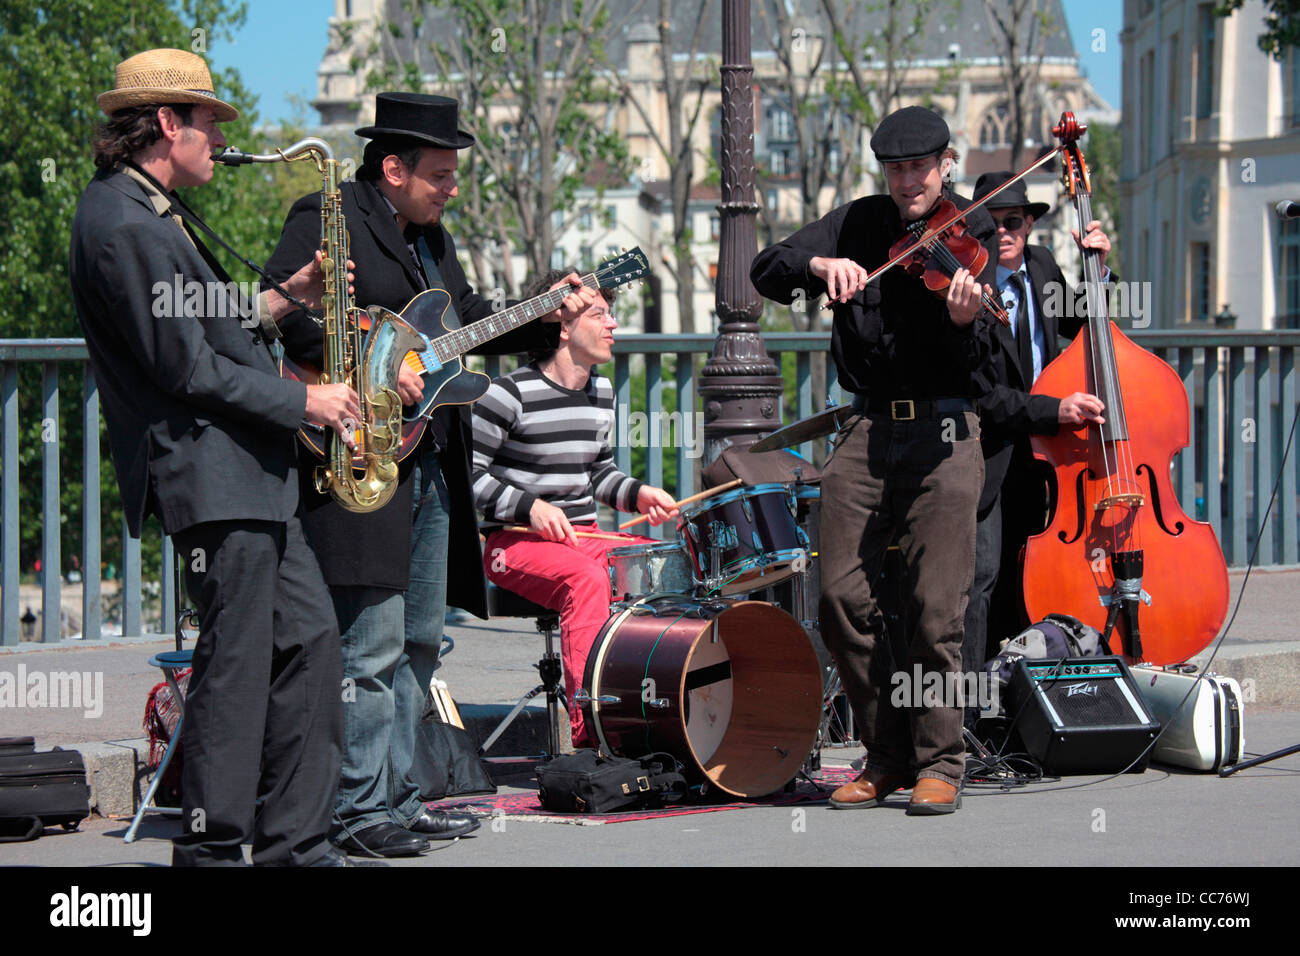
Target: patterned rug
527	806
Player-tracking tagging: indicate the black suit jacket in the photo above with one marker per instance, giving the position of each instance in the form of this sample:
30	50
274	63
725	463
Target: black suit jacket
374	549
1008	413
200	422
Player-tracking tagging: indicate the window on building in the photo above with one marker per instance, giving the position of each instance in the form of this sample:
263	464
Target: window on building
715	228
777	162
558	259
585	218
1198	269
780	124
1291	89
611	216
1206	24
585	258
1173	113
1146	111
994	132
1288	275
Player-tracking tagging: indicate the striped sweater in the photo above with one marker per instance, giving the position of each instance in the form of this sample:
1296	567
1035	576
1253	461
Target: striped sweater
535	439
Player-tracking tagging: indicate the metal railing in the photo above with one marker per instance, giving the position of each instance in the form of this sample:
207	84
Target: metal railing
1241	386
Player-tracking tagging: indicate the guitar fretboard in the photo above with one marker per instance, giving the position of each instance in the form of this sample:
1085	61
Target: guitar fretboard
468	337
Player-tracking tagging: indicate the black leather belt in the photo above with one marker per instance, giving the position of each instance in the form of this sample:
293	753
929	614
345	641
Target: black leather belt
910	409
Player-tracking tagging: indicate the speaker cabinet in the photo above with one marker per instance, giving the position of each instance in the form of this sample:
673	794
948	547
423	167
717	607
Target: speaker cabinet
1081	715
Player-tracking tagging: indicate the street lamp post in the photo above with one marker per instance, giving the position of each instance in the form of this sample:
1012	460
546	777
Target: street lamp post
740	384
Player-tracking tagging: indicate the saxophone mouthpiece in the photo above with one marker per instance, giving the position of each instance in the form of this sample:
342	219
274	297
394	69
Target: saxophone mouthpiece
231	156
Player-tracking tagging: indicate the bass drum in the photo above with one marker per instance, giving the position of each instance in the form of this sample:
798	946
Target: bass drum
730	688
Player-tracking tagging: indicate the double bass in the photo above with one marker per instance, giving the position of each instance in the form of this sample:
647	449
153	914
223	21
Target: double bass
1119	553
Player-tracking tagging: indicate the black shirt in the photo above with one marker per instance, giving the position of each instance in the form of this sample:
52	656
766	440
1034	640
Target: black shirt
894	339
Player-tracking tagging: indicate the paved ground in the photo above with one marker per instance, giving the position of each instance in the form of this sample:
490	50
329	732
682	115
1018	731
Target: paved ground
1159	818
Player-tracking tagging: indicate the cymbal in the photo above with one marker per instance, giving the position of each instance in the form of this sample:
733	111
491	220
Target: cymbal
805	429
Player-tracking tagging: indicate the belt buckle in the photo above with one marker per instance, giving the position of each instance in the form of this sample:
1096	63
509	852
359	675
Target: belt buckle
904	416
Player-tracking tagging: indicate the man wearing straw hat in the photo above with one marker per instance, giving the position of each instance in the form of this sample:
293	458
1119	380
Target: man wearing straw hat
202	432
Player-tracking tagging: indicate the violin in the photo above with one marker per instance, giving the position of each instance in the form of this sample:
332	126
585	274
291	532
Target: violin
935	254
1119	553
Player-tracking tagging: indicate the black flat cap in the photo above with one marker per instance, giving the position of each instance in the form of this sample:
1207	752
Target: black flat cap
420	116
1013	195
909	133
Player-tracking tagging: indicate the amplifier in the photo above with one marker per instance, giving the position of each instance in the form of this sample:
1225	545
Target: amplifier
1080	715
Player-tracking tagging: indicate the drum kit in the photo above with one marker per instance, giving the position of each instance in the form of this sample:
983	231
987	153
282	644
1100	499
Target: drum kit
712	651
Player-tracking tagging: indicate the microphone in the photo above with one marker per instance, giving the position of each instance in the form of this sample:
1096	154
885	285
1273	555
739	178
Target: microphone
1287	210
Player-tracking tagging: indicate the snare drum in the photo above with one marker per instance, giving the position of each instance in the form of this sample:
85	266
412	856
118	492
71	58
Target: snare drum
730	688
745	539
640	570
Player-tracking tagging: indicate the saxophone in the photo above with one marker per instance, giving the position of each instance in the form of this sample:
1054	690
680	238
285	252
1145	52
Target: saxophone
370	366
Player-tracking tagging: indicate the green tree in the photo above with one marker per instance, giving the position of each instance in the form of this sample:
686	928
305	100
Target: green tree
1281	24
55	59
526	76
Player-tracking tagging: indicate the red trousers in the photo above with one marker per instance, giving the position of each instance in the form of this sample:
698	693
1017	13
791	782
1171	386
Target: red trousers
573	581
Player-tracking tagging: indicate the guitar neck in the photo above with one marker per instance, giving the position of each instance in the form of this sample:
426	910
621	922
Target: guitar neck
469	337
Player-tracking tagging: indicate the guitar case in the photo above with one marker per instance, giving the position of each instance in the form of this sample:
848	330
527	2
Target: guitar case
38	790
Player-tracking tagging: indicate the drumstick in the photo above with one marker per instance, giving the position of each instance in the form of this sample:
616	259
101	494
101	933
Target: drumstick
523	529
685	501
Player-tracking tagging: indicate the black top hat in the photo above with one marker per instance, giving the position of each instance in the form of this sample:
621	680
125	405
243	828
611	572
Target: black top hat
430	119
1013	195
909	133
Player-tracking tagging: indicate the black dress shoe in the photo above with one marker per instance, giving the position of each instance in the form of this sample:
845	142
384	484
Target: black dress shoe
332	857
441	825
384	839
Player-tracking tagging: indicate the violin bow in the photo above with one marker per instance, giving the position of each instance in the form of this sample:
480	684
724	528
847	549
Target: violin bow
962	214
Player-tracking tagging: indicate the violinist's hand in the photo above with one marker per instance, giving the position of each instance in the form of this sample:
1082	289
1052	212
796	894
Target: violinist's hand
1094	239
965	298
844	278
1080	407
551	523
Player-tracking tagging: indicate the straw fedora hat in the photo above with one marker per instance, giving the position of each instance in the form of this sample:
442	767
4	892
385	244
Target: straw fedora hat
163	77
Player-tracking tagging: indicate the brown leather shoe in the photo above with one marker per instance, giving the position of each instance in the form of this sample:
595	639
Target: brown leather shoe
931	797
868	789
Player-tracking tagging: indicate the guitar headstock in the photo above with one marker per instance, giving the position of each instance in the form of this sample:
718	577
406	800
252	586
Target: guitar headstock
622	269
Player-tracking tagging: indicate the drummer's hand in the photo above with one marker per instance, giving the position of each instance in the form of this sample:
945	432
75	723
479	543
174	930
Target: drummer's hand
657	503
551	523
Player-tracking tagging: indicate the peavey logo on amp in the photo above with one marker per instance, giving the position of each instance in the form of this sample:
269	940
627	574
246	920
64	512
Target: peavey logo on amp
1083	690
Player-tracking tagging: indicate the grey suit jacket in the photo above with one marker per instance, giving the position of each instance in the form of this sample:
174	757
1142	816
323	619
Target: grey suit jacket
200	422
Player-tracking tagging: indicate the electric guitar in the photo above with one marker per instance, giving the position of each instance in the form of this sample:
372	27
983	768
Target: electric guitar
446	379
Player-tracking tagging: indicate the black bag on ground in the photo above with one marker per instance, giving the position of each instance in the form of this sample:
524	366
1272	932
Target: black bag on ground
39	790
446	762
588	782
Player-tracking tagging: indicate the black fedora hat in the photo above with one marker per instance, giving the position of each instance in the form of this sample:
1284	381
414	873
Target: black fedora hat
1013	195
420	116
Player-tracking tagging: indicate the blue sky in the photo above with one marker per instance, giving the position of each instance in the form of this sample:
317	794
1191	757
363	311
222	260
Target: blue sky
276	70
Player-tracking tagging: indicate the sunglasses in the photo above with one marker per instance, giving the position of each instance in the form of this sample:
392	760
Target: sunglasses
1011	223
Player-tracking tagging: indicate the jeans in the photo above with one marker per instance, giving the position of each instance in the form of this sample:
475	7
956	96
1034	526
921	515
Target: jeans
391	641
